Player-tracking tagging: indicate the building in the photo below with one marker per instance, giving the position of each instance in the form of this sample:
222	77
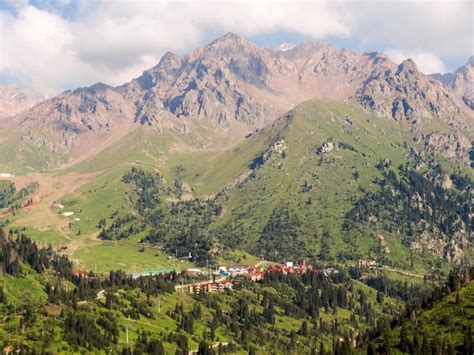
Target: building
256	275
367	263
223	272
193	272
152	272
238	270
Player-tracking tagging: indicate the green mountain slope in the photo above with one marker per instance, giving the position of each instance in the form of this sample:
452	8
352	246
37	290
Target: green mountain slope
444	327
289	191
318	161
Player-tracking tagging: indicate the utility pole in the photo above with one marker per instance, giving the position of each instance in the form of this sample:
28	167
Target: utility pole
126	330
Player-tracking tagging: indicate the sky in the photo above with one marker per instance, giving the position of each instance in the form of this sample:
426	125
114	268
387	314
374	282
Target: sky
55	45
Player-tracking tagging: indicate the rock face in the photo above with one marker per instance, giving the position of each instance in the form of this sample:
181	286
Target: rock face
14	99
231	83
407	95
96	109
461	81
232	80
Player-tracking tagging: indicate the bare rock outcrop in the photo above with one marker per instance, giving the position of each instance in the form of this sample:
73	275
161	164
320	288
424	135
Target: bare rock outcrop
235	86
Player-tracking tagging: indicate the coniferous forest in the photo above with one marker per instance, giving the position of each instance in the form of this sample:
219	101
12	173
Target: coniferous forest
322	310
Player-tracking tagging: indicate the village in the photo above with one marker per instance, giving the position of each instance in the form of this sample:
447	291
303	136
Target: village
224	278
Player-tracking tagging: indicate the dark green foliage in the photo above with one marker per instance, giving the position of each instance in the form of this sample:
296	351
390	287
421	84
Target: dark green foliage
122	227
7	193
82	331
280	237
181	227
416	202
148	344
445	329
11	198
146	185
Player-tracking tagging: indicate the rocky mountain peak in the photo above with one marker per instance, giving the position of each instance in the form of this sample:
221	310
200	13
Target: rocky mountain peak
229	38
97	88
407	94
461	82
407	68
232	84
228	44
169	59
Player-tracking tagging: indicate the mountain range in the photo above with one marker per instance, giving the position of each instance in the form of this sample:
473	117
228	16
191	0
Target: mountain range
232	87
346	166
306	150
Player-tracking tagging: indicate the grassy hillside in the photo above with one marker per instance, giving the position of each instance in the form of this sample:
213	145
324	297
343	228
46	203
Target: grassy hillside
305	173
316	163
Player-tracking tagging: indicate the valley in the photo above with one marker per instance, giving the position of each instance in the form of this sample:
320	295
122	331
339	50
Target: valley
340	182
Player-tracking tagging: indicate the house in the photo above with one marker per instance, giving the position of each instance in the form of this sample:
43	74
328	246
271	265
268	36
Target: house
193	272
223	272
224	285
367	263
153	272
256	275
238	270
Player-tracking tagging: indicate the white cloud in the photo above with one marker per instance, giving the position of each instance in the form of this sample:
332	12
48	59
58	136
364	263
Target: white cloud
441	27
427	62
113	41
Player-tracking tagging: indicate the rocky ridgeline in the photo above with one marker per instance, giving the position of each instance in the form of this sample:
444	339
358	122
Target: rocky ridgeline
461	81
233	83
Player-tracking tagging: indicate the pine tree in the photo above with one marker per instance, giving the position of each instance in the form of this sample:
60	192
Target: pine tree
204	348
322	350
468	345
371	349
404	342
304	329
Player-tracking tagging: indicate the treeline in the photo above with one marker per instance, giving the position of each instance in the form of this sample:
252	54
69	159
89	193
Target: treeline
411	338
121	227
22	250
88	285
180	227
10	197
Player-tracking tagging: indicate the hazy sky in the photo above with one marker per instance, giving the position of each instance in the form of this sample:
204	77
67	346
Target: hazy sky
62	44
